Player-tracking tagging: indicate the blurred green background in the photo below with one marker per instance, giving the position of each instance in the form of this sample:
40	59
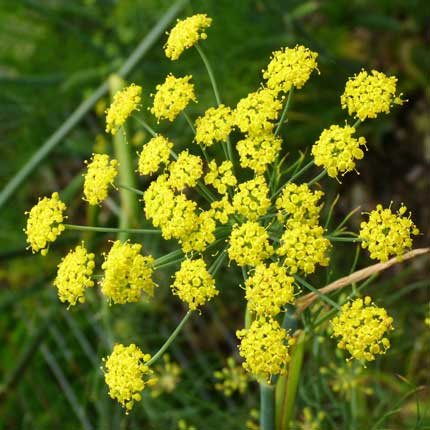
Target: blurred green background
53	55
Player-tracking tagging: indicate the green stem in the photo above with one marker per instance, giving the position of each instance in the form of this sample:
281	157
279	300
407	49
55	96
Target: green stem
344	239
284	112
190	123
295	176
210	73
145	125
324	297
171	338
135	190
267	406
112	230
318	177
357	123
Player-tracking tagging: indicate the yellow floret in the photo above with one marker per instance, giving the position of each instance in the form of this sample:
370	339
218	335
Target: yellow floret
193	283
251	200
45	223
172	97
185	171
124	103
127	273
366	95
126	374
269	289
361	327
101	172
304	246
255	112
202	235
185	34
214	126
264	346
258	151
222	209
220	177
387	233
290	67
74	275
300	203
337	150
154	153
249	244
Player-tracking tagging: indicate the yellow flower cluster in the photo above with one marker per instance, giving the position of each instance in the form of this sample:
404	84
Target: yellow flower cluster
220	177
74	275
168	376
263	346
45	223
387	233
185	171
126	374
255	112
268	289
258	151
231	378
222	209
249	244
366	95
101	172
203	234
124	103
154	153
193	283
172	97
300	203
127	273
185	34
290	67
361	327
304	246
337	150
251	200
214	126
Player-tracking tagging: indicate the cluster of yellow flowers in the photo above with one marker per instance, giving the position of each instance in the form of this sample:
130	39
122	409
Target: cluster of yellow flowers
387	233
127	273
74	275
231	379
264	345
101	172
362	328
271	230
45	223
124	103
126	374
193	283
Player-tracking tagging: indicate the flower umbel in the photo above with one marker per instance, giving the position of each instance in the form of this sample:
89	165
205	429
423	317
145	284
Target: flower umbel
172	97
362	328
214	126
366	95
231	378
264	348
126	374
127	273
193	283
124	103
387	233
101	172
74	275
154	153
185	34
45	223
290	67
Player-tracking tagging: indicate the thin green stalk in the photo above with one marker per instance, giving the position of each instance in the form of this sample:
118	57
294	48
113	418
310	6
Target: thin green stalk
284	112
357	123
112	230
74	119
318	177
324	297
128	201
344	239
294	177
267	406
145	125
168	257
190	123
171	338
135	190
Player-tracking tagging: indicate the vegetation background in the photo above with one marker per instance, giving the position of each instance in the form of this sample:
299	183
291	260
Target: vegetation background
54	54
